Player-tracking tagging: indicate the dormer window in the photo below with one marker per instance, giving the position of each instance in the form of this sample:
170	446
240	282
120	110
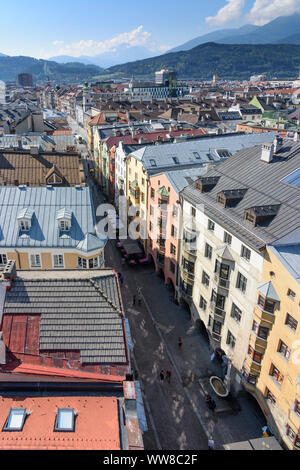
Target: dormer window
54	176
259	214
64	218
25	220
207	183
229	198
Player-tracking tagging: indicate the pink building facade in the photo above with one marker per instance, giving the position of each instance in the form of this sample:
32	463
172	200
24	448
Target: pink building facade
163	228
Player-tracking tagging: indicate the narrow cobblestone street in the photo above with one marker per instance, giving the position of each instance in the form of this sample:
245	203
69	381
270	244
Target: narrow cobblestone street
179	412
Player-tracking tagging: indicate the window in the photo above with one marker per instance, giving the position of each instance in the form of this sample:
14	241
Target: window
188	266
24	225
218	300
291	294
65	420
275	373
270	397
256	356
3	260
203	303
222	270
292	436
291	322
172	267
217	327
175	212
142	197
15	420
186	288
284	350
230	340
58	261
173	249
35	261
152	194
260	331
297	407
236	313
208	251
250	378
64	225
151	226
205	279
265	304
245	253
241	282
227	238
193	211
211	225
173	231
151	210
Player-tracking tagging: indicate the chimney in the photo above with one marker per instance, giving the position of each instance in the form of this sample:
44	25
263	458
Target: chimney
20	143
277	143
267	152
2	350
9	272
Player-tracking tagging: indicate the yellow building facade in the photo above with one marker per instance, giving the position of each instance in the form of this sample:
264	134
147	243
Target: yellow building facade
137	194
272	366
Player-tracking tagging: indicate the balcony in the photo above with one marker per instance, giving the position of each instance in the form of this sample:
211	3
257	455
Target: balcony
257	343
263	315
253	367
188	275
217	312
221	282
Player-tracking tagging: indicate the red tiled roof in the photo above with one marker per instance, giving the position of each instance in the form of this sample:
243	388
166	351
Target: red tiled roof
21	337
62	132
151	136
96	424
98	120
283	91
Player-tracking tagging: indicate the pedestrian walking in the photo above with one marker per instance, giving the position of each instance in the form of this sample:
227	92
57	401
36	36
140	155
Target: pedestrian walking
180	343
162	376
169	375
139	298
133	300
120	278
211	444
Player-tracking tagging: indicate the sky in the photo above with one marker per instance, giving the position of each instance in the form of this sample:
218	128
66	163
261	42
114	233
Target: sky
90	27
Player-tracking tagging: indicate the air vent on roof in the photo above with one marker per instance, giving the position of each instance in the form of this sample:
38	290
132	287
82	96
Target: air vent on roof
229	198
207	183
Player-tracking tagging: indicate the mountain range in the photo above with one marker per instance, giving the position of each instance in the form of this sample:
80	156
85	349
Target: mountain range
282	30
229	61
73	72
232	53
123	53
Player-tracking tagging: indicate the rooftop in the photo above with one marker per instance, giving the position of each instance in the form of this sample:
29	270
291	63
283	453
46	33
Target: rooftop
34	170
96	424
276	204
66	323
197	151
46	203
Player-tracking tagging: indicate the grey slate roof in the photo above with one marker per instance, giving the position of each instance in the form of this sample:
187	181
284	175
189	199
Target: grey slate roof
76	315
263	181
42	141
289	256
182	177
46	203
205	147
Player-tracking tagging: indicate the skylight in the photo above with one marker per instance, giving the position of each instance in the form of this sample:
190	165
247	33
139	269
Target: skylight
65	420
153	163
293	179
15	420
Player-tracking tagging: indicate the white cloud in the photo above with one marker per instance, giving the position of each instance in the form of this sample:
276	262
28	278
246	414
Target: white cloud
136	37
264	11
229	12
